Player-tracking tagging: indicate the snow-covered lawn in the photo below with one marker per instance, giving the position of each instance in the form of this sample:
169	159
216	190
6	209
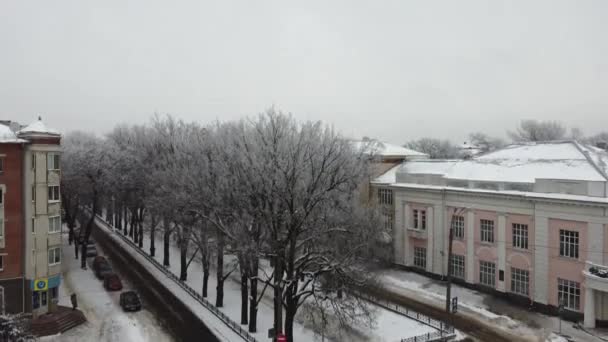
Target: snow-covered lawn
106	320
499	313
388	326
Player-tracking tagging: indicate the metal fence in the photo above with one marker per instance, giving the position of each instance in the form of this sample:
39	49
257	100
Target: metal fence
219	314
444	331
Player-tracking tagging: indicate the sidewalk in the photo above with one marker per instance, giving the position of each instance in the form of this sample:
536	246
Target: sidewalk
495	313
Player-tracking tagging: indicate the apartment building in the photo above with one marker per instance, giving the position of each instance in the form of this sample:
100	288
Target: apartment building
529	221
30	243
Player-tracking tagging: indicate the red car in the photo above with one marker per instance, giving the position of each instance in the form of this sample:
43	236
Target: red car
111	282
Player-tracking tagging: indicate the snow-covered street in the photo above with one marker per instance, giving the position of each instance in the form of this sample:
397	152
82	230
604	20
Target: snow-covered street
106	320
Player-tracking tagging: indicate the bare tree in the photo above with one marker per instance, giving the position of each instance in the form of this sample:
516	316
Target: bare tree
435	148
484	142
533	130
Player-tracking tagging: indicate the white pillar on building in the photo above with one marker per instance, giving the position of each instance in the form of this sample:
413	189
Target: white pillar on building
502	251
595	243
589	321
541	258
470	257
406	240
430	250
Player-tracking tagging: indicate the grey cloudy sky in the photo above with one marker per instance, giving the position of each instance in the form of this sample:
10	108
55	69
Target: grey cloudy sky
396	70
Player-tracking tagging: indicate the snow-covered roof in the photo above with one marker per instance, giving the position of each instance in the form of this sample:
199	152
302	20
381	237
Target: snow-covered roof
8	136
520	163
385	149
38	127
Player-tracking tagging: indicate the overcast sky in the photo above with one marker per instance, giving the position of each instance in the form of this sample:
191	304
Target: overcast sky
396	70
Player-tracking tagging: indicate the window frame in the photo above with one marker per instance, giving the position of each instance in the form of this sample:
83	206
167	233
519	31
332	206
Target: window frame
420	257
423	219
415	218
385	196
485	275
56	256
57	193
2	262
486	231
2	165
458	226
458	262
53	161
58	217
569	244
1	228
520	235
520	281
569	294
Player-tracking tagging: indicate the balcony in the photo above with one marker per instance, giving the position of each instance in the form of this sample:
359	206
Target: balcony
596	276
417	233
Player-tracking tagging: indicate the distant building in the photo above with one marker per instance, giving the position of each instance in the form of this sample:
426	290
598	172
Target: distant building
531	223
30	222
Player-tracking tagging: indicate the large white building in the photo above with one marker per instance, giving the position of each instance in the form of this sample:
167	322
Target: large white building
530	222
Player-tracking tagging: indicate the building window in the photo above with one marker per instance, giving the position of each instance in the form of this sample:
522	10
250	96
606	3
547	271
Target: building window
420	257
422	219
385	196
415	215
520	236
43	298
33	194
387	220
457	266
569	294
33	225
568	243
53	193
487	273
520	281
33	161
487	231
54	224
1	262
52	160
1	196
1	228
1	164
458	227
54	256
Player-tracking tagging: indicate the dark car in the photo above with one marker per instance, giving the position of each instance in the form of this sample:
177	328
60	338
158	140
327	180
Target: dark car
99	260
129	301
111	282
102	270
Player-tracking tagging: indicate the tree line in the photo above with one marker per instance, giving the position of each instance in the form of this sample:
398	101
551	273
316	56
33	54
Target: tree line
527	131
279	197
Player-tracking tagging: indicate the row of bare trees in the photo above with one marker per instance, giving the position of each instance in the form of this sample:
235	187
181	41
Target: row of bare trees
275	197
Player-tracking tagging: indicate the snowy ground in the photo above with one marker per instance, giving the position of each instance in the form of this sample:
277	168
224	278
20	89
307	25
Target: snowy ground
496	311
106	320
388	326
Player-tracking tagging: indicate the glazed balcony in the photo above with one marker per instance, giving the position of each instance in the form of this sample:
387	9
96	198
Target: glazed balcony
596	276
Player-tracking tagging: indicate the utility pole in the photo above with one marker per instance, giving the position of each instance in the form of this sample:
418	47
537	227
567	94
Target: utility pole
448	293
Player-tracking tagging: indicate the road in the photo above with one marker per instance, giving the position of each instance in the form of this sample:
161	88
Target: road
106	320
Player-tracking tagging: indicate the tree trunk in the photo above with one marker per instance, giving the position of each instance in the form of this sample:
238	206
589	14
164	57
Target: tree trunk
133	217
278	293
183	256
166	246
219	299
289	319
205	262
87	233
253	305
141	228
244	289
152	238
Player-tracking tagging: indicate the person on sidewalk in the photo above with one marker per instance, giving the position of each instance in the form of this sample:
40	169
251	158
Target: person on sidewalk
74	301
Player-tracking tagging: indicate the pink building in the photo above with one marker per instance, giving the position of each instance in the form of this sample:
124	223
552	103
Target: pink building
530	222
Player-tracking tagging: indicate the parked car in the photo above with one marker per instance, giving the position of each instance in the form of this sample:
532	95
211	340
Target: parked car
111	282
99	260
102	270
129	301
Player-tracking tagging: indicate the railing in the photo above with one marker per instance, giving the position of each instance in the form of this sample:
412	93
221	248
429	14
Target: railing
444	331
219	314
